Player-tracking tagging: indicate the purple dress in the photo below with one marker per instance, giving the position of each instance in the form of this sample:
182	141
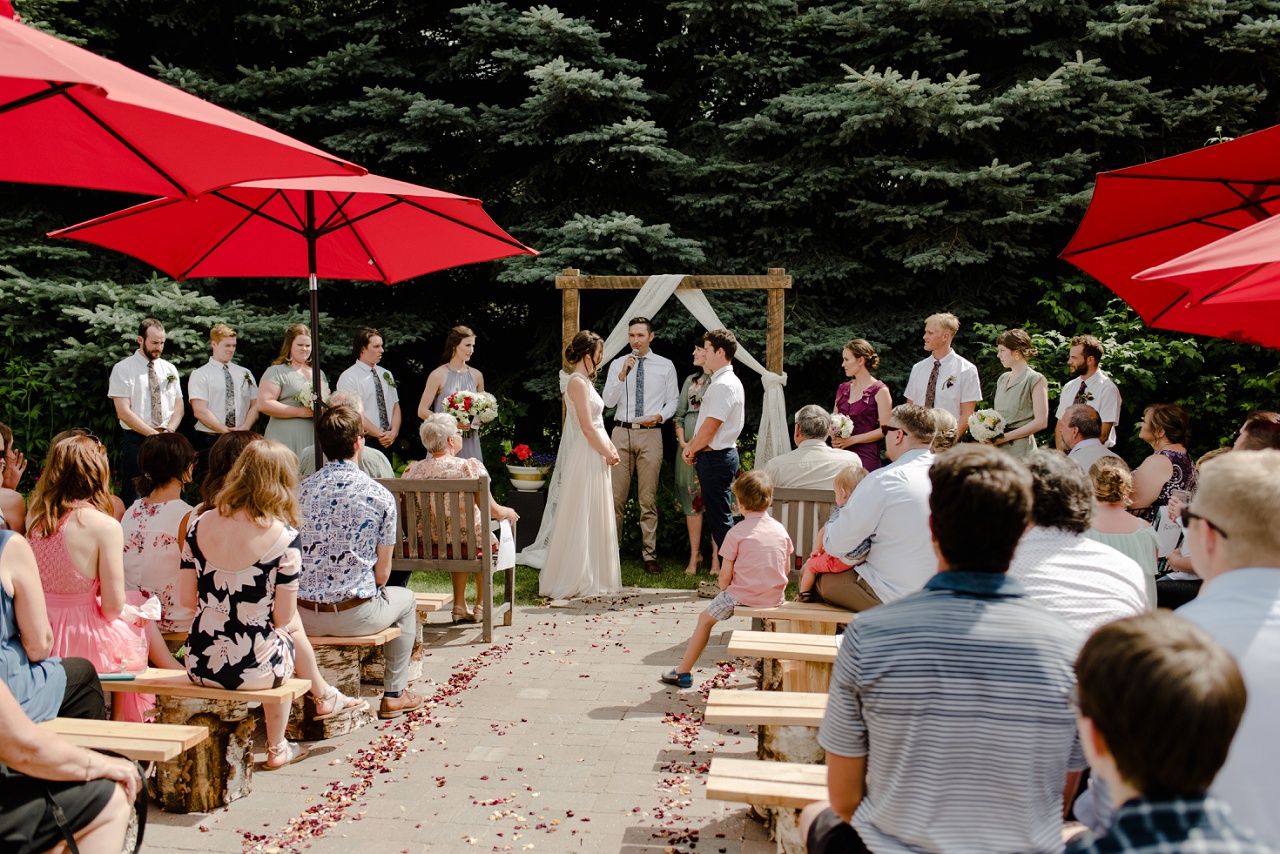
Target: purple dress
865	417
454	380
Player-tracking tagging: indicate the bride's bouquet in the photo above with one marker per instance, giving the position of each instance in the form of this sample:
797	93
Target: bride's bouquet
986	425
841	426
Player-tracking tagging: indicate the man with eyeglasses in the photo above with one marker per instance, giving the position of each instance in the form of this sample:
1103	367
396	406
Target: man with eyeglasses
1233	539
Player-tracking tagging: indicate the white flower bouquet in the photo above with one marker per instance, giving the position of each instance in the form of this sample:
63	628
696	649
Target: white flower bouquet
485	407
986	425
841	426
306	395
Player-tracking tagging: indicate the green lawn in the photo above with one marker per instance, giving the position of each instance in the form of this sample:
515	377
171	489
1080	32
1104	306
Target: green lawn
633	575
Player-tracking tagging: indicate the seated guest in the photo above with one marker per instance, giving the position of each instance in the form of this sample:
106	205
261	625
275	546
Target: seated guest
51	790
1080	580
819	562
1260	432
1166	427
156	524
1080	430
946	430
371	460
813	464
1158	704
442	439
79	549
891	506
13	509
1234	543
349	533
966	680
1112	523
221	459
44	687
117	506
246	633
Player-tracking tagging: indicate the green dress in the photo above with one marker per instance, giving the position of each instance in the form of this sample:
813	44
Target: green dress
297	434
1014	402
687	488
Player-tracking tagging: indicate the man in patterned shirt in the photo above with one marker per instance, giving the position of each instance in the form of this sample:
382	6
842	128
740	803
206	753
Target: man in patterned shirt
348	534
1159	702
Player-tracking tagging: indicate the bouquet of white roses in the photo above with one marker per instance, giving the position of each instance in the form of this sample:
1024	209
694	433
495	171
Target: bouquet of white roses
986	425
841	426
306	395
485	407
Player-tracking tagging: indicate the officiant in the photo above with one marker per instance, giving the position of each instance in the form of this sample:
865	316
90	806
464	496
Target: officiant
643	388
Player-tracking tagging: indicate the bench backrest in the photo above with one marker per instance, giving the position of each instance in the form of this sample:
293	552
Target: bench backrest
802	512
450	544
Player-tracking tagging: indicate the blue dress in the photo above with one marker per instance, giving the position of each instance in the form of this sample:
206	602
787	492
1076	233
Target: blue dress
38	687
453	381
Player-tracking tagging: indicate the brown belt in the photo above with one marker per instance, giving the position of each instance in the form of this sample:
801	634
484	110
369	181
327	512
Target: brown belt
635	425
331	606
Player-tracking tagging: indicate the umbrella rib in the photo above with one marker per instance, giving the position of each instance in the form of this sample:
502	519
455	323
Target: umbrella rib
510	241
252	212
1237	280
1168	308
350	223
1167	227
338	206
37	97
258	212
1193	179
128	145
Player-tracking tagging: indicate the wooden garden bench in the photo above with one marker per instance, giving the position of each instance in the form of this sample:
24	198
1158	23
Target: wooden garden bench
786	646
802	512
779	790
770	708
139	741
447	545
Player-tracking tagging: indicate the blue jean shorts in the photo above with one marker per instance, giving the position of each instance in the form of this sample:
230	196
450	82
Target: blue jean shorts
721	607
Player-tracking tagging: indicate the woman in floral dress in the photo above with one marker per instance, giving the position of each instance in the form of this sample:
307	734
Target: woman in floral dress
688	490
156	524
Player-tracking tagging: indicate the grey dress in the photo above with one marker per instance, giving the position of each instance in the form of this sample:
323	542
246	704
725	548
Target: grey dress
1013	401
688	490
454	380
297	434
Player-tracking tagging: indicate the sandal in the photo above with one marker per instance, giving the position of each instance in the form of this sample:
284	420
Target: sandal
477	613
461	615
341	703
290	750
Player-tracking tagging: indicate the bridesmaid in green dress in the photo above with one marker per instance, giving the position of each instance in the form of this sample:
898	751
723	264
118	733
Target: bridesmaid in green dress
285	390
687	488
1022	395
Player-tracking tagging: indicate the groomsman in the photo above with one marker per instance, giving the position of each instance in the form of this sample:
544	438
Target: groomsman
1091	387
714	446
376	387
147	395
643	387
945	380
224	397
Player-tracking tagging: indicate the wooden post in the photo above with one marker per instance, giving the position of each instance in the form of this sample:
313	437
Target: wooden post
569	318
774	328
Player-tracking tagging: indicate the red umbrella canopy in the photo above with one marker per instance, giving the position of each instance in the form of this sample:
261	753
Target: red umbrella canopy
1145	215
71	117
369	228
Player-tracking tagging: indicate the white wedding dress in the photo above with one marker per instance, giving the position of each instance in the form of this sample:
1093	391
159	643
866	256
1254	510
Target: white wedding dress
582	543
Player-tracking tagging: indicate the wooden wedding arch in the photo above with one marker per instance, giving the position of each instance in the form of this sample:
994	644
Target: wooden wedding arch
777	282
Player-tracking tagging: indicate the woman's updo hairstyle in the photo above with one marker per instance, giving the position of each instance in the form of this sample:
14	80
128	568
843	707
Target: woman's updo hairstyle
1112	481
1017	341
584	344
860	348
456	336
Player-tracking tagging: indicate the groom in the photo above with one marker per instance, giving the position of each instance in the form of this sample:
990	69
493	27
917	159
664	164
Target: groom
714	446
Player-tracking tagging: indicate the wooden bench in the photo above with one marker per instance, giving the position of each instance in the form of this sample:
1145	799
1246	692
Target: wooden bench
802	512
372	668
341	662
219	769
786	722
779	790
789	661
447	544
139	741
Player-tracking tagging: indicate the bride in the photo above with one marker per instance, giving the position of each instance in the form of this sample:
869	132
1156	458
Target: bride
582	551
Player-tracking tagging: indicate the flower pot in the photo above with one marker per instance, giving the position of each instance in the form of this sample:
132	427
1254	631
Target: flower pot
528	478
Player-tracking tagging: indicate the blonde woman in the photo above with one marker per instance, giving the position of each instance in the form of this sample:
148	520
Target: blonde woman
946	431
1113	525
242	560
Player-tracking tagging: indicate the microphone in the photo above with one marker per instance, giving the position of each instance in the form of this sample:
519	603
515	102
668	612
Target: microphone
635	352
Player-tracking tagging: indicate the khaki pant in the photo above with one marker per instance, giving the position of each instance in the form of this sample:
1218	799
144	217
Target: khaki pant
846	590
641	450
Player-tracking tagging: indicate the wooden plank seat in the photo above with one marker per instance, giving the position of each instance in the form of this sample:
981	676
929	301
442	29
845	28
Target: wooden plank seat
789	646
219	769
803	612
771	708
341	661
431	602
438	512
139	741
779	790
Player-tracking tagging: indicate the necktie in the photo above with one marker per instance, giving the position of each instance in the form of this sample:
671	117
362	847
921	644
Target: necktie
153	385
230	418
639	388
933	385
383	420
1080	398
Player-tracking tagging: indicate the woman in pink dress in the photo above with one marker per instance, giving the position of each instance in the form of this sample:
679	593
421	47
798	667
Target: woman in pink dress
442	438
79	549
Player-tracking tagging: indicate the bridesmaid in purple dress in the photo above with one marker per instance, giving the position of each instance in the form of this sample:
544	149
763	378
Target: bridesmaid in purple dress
867	402
452	375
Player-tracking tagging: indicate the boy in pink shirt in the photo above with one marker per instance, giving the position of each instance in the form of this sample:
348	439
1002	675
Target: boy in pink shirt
754	558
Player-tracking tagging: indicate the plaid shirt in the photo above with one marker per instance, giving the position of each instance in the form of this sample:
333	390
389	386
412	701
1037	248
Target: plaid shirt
1174	826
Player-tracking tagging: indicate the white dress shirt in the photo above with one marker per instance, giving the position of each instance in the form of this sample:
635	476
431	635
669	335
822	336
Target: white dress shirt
1082	581
1104	398
360	379
725	400
130	378
661	389
209	383
957	383
1089	451
1241	609
812	465
891	506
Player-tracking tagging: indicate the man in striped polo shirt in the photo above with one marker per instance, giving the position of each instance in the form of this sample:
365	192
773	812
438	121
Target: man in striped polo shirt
949	726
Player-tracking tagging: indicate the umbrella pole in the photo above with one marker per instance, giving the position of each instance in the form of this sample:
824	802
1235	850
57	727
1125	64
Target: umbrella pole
317	377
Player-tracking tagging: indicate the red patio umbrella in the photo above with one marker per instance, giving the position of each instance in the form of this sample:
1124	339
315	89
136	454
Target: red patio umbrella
367	228
1142	216
71	117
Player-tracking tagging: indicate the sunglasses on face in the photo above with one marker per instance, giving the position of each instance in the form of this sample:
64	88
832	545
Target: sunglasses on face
1187	514
889	428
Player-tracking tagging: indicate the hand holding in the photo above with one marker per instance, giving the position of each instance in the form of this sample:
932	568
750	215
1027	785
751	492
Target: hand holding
689	454
612	457
627	365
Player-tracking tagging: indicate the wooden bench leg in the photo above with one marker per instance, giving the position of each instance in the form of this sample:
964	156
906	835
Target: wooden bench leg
216	771
340	666
789	744
783	824
373	668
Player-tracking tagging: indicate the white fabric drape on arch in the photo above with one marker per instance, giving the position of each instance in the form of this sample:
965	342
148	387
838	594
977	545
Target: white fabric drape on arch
772	440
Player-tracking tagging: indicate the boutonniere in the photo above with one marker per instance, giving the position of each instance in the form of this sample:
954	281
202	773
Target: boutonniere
1086	397
951	380
170	379
248	381
386	378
